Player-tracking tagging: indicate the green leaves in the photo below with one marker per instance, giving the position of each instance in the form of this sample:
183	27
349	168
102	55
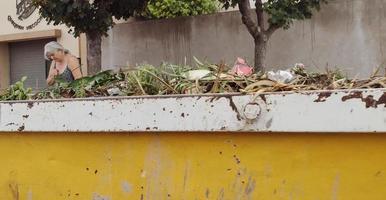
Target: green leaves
96	85
173	8
17	91
282	13
95	17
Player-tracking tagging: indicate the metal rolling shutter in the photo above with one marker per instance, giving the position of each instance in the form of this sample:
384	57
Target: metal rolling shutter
26	59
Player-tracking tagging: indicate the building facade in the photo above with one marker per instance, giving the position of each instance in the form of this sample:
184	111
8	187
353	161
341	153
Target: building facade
23	34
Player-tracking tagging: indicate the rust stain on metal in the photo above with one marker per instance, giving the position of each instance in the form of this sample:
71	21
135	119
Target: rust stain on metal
21	128
237	159
382	99
250	186
322	97
262	96
269	123
185	177
30	105
369	100
221	194
214	99
10	124
353	95
234	108
14	190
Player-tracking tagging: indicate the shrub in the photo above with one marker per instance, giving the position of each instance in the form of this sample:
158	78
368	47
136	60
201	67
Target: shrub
159	9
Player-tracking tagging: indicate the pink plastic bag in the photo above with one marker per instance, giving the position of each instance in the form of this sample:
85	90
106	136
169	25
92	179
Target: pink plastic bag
241	68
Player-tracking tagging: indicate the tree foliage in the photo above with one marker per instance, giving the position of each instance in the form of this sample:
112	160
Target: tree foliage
282	13
277	14
174	8
84	16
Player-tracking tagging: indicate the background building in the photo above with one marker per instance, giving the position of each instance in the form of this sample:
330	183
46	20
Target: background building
22	37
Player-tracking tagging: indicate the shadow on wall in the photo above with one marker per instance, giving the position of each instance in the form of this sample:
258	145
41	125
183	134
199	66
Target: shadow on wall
345	34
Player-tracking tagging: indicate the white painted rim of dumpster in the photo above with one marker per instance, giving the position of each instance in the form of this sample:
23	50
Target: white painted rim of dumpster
348	111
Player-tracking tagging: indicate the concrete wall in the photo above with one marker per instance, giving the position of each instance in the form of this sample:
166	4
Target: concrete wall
346	33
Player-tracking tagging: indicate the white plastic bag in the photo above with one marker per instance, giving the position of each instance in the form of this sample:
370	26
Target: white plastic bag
280	76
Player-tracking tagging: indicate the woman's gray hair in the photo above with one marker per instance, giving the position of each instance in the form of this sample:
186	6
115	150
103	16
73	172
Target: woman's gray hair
52	47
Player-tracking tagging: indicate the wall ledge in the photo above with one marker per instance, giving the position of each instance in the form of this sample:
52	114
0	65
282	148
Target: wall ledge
34	35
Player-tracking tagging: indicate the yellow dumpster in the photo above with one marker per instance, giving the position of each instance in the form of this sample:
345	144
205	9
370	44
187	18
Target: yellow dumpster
311	145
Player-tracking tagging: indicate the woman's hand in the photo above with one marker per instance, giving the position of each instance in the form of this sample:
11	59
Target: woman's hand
51	75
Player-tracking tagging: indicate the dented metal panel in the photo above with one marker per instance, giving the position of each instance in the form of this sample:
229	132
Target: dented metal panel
317	111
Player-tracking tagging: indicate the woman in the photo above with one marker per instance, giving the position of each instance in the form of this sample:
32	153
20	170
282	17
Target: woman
63	65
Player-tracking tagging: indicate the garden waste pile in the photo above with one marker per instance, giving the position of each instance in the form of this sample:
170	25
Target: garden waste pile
203	78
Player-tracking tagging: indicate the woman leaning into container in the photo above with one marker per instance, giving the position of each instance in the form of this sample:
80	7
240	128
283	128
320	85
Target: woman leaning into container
63	65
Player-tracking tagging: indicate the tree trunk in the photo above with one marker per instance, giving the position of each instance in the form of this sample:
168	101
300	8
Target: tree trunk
260	52
94	53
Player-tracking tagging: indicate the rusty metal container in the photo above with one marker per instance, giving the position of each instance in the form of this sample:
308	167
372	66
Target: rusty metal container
309	145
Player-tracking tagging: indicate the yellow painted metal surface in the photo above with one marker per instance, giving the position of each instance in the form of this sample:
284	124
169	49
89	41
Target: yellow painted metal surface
192	166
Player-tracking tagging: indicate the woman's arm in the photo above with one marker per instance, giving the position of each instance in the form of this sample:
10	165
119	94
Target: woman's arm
73	64
51	74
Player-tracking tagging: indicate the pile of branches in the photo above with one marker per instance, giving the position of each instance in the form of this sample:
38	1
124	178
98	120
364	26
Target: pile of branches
203	78
304	80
